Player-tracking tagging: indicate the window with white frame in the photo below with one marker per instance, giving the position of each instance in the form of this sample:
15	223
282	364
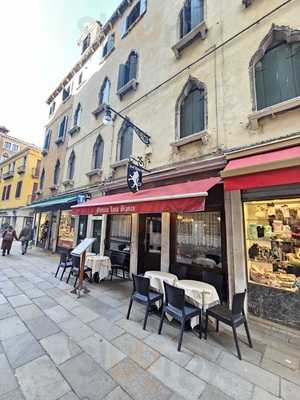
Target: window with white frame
62	128
125	142
128	71
77	115
191	15
98	151
109	45
56	174
71	166
104	92
15	148
7	146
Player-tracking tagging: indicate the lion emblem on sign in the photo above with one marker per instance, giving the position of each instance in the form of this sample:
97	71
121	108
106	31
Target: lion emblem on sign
134	178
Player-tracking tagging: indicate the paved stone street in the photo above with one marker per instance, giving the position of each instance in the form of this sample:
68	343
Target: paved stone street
55	346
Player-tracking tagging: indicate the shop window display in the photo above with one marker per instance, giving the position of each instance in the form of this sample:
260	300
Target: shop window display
66	230
273	243
120	232
199	239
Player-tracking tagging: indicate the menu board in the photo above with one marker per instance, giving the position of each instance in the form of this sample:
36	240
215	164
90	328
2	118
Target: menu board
82	247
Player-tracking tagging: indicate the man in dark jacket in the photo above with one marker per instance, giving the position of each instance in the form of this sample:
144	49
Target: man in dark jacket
8	237
26	235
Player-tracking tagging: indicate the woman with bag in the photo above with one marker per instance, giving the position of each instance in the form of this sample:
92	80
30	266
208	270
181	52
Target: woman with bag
7	239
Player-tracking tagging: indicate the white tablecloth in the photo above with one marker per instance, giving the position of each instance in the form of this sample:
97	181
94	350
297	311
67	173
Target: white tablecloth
157	279
200	294
100	264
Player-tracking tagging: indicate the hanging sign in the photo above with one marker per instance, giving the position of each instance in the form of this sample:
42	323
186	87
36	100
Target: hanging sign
134	177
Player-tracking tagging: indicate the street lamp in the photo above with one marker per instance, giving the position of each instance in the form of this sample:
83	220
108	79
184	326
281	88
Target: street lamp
108	121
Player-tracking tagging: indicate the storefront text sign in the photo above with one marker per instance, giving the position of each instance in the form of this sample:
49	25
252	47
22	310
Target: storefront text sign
122	209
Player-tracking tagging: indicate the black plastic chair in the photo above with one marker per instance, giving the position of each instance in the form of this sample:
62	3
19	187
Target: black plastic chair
119	261
216	280
176	306
75	270
65	262
143	295
234	318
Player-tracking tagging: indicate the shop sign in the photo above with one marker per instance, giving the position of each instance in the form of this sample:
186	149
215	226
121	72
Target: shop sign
134	177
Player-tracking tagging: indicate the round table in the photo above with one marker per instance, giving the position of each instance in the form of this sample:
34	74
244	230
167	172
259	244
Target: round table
100	264
157	279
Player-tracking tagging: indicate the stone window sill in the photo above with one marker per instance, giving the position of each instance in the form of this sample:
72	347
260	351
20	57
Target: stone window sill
94	172
74	130
121	163
131	85
199	31
100	109
68	183
196	137
287	105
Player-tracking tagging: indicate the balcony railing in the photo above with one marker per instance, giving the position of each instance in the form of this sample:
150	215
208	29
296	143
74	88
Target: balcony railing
8	174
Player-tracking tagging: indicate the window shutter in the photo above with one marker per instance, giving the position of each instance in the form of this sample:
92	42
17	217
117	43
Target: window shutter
285	72
186	28
198	111
186	116
65	125
196	12
126	144
133	66
259	86
124	27
296	66
271	78
143	6
122	76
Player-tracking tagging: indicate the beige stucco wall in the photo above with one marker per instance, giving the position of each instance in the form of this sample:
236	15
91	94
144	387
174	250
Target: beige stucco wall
225	74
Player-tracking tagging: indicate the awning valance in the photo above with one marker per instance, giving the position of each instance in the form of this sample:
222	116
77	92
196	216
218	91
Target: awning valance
64	202
280	167
187	196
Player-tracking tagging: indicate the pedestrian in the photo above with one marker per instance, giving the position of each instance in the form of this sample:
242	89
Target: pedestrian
26	235
7	239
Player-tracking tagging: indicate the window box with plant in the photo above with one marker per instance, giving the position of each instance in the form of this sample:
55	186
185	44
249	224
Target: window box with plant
191	25
127	79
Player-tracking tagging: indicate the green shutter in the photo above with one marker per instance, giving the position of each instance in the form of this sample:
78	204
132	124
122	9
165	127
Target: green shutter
295	49
187	116
271	78
259	86
285	73
198	110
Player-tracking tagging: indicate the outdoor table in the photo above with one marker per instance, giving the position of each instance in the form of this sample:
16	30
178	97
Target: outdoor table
100	264
157	279
199	294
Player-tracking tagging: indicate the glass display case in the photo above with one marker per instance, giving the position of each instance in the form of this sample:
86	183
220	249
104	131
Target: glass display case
272	231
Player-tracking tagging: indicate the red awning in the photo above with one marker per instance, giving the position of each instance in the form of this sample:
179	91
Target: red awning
280	167
187	196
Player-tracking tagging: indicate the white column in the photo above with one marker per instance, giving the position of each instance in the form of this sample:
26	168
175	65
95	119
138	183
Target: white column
134	244
237	277
165	242
89	229
103	234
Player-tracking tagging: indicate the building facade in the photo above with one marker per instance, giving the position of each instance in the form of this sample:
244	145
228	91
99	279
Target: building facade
18	186
9	145
212	83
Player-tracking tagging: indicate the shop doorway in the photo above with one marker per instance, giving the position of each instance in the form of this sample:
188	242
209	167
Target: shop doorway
97	227
82	228
149	257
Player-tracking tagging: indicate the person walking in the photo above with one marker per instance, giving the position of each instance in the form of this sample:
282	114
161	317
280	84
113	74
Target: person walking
26	235
7	239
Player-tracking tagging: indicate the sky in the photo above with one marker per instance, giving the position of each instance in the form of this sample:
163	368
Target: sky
38	46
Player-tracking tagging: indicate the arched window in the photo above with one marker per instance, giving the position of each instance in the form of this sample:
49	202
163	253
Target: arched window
42	180
109	45
62	128
128	71
71	166
56	173
191	109
125	142
276	68
77	115
191	15
104	92
98	153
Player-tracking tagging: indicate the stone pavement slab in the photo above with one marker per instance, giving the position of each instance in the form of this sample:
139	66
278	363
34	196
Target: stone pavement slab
287	360
65	300
44	302
33	293
103	352
177	379
84	313
134	328
280	370
140	384
31	311
136	350
6	311
76	329
21	349
289	391
7	379
117	394
11	290
229	383
42	327
260	394
14	395
2	299
60	347
86	377
213	393
105	328
40	380
11	327
69	396
58	314
19	300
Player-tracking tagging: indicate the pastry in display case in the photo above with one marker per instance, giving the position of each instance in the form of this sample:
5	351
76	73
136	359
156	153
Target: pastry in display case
273	243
